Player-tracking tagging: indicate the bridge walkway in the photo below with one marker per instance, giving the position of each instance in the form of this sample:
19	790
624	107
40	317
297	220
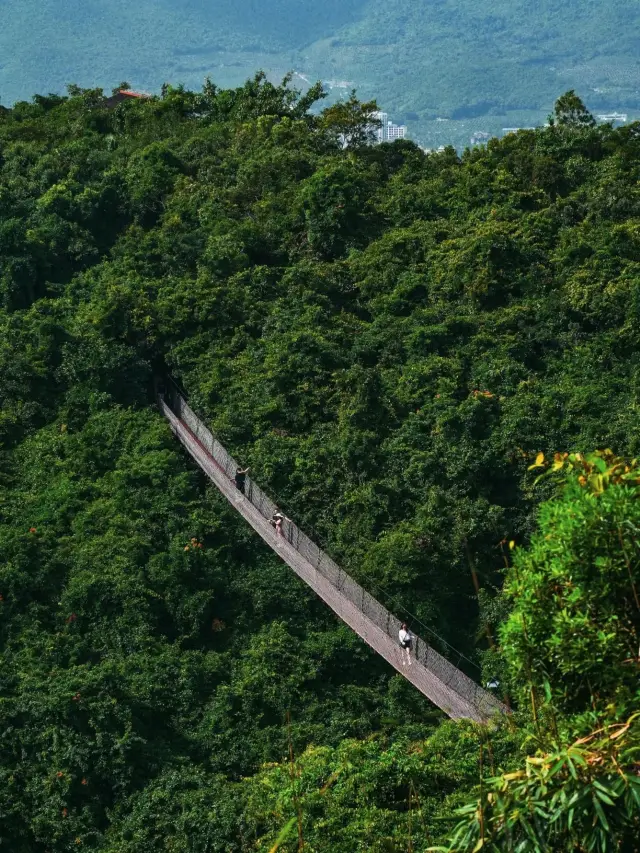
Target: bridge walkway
434	676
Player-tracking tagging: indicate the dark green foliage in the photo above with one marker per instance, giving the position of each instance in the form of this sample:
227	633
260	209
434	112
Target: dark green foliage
388	339
570	111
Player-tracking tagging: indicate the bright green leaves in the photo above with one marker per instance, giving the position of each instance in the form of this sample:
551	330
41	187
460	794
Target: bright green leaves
570	645
582	797
594	471
576	619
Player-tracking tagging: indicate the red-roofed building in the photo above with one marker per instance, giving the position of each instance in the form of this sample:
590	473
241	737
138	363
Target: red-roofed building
125	95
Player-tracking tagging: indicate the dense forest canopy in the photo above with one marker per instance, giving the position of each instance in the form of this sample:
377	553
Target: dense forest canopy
397	344
483	67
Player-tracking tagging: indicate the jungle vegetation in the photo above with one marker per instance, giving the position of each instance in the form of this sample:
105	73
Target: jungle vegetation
431	360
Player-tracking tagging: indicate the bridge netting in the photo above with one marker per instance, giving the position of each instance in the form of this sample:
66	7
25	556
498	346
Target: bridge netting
435	676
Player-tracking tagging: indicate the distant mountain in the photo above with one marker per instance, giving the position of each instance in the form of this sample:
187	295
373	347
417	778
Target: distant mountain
422	59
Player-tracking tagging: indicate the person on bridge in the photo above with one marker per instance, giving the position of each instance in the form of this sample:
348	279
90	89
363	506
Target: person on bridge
406	642
277	520
240	478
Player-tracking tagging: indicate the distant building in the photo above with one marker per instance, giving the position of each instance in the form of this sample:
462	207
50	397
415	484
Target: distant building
613	118
388	131
125	95
335	84
479	137
395	131
507	130
380	131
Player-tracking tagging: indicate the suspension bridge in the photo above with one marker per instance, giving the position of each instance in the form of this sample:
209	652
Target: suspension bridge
432	673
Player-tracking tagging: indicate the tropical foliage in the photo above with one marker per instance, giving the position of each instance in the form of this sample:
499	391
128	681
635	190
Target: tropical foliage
582	797
391	341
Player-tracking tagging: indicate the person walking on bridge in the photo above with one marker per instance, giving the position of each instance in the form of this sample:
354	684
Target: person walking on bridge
241	478
277	521
406	642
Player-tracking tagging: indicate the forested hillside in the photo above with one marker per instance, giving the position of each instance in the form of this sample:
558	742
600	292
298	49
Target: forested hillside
398	345
497	66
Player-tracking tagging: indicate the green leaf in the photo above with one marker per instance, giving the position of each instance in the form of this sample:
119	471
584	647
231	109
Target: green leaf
600	812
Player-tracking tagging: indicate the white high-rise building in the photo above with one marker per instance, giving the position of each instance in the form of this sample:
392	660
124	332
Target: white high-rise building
388	131
381	131
395	131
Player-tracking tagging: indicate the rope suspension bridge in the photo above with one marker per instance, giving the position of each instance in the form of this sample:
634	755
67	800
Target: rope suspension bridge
434	676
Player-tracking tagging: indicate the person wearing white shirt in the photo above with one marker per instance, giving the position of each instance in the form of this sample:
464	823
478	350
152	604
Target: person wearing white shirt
406	641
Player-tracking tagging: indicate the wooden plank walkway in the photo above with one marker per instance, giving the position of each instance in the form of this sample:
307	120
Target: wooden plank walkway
434	676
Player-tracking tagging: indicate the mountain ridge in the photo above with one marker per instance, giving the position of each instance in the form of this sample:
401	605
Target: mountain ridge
435	58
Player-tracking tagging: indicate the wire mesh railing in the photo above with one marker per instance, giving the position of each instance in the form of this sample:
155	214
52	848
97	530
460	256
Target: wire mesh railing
448	675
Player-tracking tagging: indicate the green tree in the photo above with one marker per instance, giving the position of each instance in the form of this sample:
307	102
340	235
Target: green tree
569	111
351	123
387	338
574	631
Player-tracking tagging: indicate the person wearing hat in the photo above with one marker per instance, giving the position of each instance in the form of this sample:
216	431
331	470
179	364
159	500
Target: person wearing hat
277	520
